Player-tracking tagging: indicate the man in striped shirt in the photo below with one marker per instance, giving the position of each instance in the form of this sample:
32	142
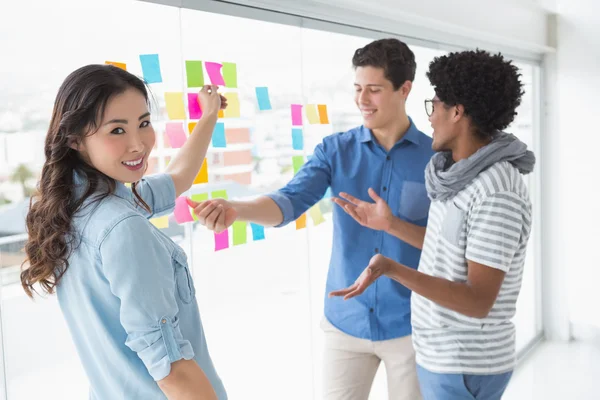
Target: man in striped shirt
469	275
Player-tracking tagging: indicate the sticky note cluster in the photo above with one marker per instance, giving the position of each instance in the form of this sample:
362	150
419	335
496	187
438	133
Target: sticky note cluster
316	114
221	74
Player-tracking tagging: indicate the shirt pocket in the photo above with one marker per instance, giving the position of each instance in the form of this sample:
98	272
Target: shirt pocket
414	202
453	223
183	278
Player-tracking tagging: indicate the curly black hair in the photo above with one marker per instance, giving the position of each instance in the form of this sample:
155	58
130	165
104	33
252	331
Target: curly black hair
395	57
488	87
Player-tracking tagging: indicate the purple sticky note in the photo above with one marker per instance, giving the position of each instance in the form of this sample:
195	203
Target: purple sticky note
214	73
194	106
222	240
297	114
182	211
176	134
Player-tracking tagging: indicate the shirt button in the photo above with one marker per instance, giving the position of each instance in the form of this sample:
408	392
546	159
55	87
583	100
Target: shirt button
376	249
370	309
164	321
384	188
388	158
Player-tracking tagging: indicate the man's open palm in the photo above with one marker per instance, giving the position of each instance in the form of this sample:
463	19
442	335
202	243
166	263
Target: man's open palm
377	215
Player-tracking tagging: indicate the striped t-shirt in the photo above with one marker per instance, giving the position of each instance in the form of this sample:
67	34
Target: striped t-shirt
488	222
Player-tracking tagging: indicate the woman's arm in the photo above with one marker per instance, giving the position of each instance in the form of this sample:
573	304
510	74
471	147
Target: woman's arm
185	165
187	381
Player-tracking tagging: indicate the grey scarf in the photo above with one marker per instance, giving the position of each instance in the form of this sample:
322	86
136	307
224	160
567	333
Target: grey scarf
445	182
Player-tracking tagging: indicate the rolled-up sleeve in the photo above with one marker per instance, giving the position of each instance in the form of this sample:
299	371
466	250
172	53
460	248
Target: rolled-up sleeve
140	273
158	191
306	188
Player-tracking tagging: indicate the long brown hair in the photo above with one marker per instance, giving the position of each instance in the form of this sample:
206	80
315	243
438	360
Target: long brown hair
78	109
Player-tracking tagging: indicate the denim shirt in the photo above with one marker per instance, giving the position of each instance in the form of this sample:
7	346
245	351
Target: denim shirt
353	162
128	297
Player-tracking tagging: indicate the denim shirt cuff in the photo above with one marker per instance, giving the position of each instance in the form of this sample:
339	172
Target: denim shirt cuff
285	205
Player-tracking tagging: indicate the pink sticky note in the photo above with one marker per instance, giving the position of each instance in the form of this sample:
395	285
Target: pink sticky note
214	73
182	211
194	106
176	134
296	114
222	240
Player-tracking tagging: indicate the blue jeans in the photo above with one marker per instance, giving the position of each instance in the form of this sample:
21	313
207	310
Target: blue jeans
461	387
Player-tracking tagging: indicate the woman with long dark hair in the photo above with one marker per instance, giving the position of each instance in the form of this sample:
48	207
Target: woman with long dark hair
123	286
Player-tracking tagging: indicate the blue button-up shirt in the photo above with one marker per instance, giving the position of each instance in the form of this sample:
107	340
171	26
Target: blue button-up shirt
128	296
352	162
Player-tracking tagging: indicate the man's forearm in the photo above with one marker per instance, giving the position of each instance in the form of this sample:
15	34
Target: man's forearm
263	211
407	232
455	296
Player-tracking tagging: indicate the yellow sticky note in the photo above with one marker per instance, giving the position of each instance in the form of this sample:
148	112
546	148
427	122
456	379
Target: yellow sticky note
233	105
323	118
311	113
175	106
221	114
191	126
301	222
160	222
202	176
316	215
117	64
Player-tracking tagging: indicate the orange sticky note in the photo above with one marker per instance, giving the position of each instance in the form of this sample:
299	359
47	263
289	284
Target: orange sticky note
243	178
117	64
323	114
221	114
191	126
242	157
301	222
237	135
202	176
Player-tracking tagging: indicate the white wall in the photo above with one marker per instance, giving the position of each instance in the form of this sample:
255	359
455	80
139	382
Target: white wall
570	169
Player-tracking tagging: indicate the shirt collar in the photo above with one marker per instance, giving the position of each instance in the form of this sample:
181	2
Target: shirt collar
412	134
80	181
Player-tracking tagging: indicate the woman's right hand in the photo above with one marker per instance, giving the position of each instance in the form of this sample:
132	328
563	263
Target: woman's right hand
211	101
216	214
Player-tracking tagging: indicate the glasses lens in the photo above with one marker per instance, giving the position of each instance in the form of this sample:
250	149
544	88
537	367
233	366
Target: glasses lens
429	107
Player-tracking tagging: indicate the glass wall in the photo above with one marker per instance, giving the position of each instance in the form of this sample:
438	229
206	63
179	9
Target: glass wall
261	300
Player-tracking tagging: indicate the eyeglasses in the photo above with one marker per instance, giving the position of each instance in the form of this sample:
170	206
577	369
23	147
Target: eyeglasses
429	106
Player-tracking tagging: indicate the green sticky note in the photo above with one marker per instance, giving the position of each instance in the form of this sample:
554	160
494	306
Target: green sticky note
219	194
297	162
229	72
193	71
199	197
239	232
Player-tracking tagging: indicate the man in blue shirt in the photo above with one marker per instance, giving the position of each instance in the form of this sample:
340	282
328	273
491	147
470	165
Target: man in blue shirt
388	154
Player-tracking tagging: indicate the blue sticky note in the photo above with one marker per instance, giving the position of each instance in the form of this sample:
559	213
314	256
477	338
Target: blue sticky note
297	139
327	193
151	68
262	95
218	136
258	231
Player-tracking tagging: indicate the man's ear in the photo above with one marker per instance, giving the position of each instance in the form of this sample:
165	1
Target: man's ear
406	88
459	112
